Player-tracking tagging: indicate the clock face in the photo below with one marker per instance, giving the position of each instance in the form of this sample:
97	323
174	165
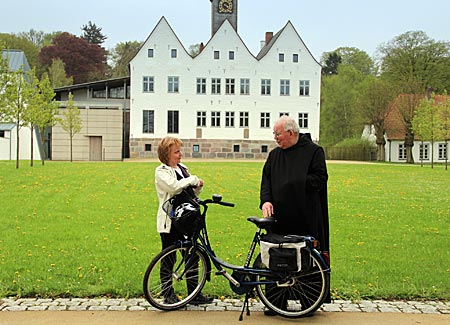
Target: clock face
226	6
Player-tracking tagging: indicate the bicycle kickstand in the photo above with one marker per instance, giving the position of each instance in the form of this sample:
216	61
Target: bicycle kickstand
241	317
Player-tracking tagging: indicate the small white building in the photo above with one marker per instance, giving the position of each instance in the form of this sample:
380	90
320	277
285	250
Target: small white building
8	129
222	102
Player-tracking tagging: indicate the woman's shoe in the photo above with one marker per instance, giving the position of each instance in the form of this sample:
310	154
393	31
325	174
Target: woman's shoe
200	299
270	312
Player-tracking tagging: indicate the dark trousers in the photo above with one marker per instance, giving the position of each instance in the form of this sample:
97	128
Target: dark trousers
169	261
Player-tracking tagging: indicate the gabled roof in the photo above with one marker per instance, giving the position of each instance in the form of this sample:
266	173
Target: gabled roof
394	124
16	59
275	37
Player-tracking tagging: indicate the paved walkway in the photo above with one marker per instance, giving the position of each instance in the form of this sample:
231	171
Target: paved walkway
102	304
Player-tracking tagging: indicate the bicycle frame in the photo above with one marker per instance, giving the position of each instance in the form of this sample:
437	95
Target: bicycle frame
201	241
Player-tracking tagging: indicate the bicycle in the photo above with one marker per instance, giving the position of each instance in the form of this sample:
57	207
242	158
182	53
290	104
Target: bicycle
289	294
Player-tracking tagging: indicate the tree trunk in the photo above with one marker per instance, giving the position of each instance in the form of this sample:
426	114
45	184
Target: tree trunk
409	143
70	149
17	145
381	141
31	146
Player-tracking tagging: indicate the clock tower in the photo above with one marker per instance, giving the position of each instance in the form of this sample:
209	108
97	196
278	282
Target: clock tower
222	10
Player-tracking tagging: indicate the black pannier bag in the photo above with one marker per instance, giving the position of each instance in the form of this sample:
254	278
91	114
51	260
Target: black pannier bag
285	252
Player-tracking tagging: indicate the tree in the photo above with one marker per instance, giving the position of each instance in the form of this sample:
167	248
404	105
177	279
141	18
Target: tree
444	119
57	74
356	58
374	101
4	77
71	121
83	61
121	56
13	99
425	123
35	37
340	118
93	34
42	109
14	42
330	62
414	57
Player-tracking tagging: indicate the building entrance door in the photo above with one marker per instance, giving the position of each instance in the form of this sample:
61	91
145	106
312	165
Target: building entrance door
95	148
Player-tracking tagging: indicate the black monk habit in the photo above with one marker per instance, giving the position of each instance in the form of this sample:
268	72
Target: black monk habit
294	180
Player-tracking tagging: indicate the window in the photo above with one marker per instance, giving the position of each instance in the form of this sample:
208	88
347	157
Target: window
284	87
215	119
231	55
201	86
442	151
265	120
229	119
173	84
303	120
148	121
99	93
264	149
196	148
295	57
284	113
2	133
401	152
229	86
245	86
215	86
172	122
201	119
148	147
423	151
173	53
243	119
150	53
265	86
118	92
216	55
281	57
304	87
236	148
148	84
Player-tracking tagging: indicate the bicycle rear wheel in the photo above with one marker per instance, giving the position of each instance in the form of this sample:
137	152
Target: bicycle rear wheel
301	295
174	277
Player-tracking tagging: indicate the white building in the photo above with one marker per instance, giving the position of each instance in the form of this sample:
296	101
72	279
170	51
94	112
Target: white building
224	101
8	130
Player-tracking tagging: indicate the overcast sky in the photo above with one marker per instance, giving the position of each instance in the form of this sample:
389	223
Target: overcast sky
324	25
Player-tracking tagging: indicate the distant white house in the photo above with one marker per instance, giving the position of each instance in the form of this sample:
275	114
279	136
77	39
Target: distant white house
423	151
8	130
222	102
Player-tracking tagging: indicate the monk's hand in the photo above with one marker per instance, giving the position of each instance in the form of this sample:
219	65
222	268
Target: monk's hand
267	209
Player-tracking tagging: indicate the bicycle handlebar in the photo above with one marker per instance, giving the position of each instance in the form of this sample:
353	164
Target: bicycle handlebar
216	199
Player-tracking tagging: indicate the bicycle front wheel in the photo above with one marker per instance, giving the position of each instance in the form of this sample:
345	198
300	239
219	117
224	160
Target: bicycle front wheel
299	295
175	276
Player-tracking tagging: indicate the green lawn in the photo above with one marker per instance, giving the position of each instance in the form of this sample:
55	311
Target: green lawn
88	229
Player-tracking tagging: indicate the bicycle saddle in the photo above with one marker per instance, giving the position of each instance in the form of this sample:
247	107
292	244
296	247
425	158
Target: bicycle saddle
262	223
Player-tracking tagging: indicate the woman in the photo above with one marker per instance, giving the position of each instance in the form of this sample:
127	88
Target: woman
171	177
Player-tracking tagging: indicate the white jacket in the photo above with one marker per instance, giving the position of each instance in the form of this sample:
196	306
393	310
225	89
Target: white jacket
167	186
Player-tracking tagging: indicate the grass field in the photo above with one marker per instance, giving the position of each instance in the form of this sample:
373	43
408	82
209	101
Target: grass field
88	229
